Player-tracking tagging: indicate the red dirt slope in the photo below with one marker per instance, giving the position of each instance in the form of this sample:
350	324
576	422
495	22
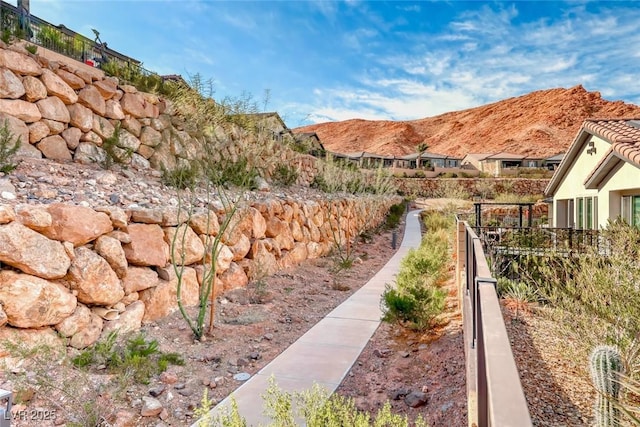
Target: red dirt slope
541	123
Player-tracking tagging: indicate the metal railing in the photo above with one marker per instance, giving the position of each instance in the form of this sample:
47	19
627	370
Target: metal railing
495	394
540	240
64	41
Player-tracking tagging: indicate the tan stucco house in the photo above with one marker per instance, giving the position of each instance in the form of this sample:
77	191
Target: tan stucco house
599	177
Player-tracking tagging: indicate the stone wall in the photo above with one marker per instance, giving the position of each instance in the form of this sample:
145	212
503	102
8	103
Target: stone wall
438	187
66	113
82	272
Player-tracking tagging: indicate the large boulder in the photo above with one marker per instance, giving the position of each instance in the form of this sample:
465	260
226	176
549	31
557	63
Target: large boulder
111	250
133	104
89	334
162	300
91	98
187	247
58	87
205	222
138	279
32	302
113	110
147	247
35	90
76	224
38	131
19	63
79	319
31	252
107	88
54	109
23	110
71	79
128	321
80	117
94	280
10	85
34	217
234	277
54	147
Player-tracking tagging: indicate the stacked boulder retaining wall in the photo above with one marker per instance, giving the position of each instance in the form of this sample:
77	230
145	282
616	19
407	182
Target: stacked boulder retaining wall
71	274
62	112
440	187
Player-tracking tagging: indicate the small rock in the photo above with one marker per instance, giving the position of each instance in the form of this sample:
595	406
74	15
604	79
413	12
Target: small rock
404	354
254	356
157	391
399	393
180	386
168	378
242	376
416	399
185	392
268	337
150	407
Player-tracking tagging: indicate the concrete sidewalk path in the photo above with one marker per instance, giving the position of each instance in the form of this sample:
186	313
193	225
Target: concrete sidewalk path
326	352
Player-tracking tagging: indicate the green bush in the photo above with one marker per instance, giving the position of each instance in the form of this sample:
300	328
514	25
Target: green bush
181	177
9	146
315	407
137	358
114	153
239	173
417	299
285	175
394	215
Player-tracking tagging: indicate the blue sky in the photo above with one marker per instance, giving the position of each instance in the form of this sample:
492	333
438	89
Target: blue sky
395	60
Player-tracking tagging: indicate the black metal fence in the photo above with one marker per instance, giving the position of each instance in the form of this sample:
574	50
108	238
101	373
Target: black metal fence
64	41
540	240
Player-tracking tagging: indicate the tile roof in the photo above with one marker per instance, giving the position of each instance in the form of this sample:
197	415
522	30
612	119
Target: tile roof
623	134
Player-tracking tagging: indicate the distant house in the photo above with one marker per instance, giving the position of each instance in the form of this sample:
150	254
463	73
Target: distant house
426	160
553	162
498	163
310	143
599	177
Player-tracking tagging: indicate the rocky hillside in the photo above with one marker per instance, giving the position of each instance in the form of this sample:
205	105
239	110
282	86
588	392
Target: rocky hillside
541	123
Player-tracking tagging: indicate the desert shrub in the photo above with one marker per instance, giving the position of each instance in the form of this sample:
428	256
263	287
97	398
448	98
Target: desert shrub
114	153
136	76
417	299
485	188
419	174
394	215
9	146
239	173
316	407
518	198
181	177
435	221
597	291
339	176
285	175
136	358
451	189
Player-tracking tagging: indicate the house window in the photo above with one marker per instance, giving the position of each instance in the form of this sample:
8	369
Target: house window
631	210
580	214
586	213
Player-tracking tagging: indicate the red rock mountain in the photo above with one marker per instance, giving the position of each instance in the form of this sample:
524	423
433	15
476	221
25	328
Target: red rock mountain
541	123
